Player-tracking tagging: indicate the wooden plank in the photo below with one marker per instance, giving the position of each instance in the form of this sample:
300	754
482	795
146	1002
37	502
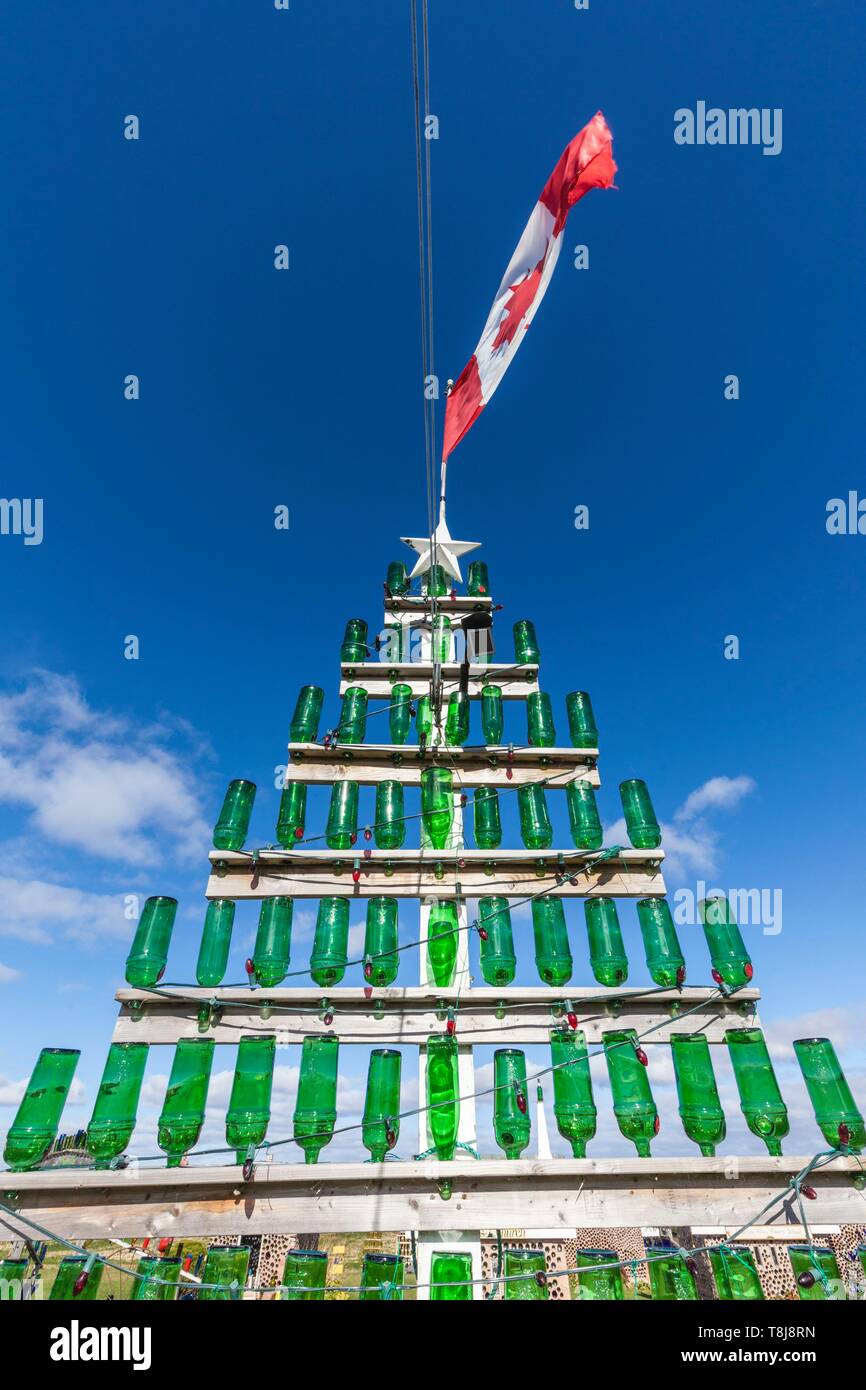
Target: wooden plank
377	678
408	1016
476	766
562	1194
412	873
420	605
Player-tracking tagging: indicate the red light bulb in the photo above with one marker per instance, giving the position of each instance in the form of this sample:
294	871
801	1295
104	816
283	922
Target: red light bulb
353	837
451	1024
483	933
160	974
368	991
163	1244
81	1282
806	1279
368	968
461	863
748	970
540	1278
572	1020
716	976
356	875
657	1125
249	968
809	1193
368	834
463	798
844	1135
521	1102
299	832
641	1056
390	1134
328	1018
453	592
681	975
508	773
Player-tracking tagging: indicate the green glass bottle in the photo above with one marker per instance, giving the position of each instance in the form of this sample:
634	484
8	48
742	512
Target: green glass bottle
606	947
440	638
69	1271
391	646
535	828
305	1274
450	1277
249	1111
539	720
737	1279
511	1123
158	1278
552	951
216	939
400	713
226	1268
273	942
442	928
435	582
341	831
148	954
633	1103
233	825
573	1104
664	957
34	1128
731	963
352	727
671	1280
13	1274
836	1111
183	1108
331	942
760	1098
640	818
526	648
390	829
381	1125
437	804
581	720
457	719
487	821
380	942
700	1108
491	715
816	1273
381	1279
293	814
114	1111
316	1104
397	579
585	822
304	727
520	1268
477	582
354	644
424	718
443	1093
594	1281
498	959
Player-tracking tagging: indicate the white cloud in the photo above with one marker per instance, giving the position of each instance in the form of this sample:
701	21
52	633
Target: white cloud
7	974
96	781
33	911
12	1092
689	842
719	793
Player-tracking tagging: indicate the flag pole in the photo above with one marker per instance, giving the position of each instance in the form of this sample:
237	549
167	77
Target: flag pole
449	386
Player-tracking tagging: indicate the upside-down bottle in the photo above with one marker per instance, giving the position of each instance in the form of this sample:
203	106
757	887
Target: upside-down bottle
640	818
316	1105
352	727
599	1276
233	825
34	1128
216	938
331	942
304	727
354	644
573	1104
400	713
526	648
341	830
381	1125
633	1103
293	814
442	928
535	828
491	714
457	719
552	951
498	960
585	822
606	948
437	804
541	732
380	941
581	720
730	959
664	957
114	1112
487	821
249	1111
273	942
443	1093
305	1274
182	1113
511	1122
390	828
148	954
839	1120
700	1108
478	583
760	1098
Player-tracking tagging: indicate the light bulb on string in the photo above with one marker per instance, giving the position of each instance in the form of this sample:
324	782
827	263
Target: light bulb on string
680	976
748	970
249	1163
81	1282
250	969
356	872
717	977
520	1097
299	832
368	966
809	1193
844	1135
806	1280
450	1024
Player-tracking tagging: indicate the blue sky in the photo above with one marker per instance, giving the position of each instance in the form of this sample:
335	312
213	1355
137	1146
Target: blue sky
260	388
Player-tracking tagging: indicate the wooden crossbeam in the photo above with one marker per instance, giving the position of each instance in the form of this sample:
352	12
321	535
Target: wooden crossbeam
476	766
408	1016
413	873
378	678
418	603
563	1194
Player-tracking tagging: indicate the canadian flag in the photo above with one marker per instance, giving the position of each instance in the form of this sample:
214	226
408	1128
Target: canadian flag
587	162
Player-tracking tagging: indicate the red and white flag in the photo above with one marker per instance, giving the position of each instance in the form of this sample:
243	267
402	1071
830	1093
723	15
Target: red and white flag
587	162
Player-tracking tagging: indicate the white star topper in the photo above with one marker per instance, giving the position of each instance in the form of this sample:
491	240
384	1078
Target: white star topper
447	551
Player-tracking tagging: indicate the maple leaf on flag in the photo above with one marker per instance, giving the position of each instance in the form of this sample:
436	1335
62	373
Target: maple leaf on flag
521	301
